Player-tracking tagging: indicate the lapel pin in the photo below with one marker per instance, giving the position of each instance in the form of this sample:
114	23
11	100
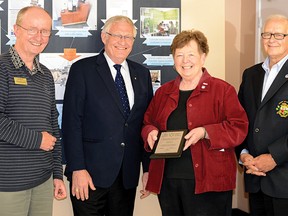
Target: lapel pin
286	76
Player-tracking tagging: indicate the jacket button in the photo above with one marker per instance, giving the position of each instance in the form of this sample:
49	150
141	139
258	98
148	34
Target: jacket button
122	144
196	165
190	105
257	130
126	124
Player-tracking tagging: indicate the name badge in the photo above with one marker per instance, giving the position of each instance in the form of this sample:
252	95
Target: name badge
20	81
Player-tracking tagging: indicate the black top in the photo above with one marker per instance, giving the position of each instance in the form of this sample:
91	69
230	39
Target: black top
179	167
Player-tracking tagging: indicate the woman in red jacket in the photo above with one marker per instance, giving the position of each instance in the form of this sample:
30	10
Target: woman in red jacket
201	180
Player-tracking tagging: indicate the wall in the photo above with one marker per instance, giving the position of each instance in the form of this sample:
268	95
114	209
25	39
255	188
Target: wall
239	54
229	27
209	17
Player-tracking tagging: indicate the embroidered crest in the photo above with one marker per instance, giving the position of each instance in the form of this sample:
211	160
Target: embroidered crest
282	109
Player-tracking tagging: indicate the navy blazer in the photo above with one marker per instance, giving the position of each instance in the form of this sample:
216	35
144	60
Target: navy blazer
268	128
96	136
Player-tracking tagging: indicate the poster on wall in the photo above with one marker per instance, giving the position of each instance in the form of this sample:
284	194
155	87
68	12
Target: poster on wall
156	79
159	25
74	18
116	7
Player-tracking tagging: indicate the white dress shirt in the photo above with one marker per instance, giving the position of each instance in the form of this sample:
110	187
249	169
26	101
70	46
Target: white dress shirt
126	76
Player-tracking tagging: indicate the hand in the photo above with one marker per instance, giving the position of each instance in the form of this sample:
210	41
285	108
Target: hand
48	141
145	193
257	173
152	137
264	163
245	157
81	180
258	165
247	160
59	189
194	136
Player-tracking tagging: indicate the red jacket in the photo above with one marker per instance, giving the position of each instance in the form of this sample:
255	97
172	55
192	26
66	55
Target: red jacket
214	105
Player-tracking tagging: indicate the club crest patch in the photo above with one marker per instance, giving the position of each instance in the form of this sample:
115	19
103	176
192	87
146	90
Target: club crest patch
282	109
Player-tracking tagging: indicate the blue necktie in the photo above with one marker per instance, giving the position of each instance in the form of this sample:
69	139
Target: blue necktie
120	86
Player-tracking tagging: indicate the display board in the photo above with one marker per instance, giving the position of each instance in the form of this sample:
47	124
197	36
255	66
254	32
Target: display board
77	26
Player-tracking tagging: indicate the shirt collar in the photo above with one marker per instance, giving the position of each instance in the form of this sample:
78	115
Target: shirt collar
18	62
278	66
111	63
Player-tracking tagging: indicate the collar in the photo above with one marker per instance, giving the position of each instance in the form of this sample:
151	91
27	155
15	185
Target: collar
18	62
278	66
111	63
203	85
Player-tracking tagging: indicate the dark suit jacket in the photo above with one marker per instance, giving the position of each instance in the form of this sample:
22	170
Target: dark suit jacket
268	128
96	136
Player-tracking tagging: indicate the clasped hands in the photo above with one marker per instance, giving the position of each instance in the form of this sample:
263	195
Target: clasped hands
259	165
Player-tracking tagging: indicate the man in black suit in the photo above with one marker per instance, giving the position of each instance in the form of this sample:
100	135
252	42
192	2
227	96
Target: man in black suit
264	95
102	141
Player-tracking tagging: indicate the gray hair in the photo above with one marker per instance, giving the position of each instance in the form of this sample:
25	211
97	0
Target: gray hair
276	17
118	18
23	11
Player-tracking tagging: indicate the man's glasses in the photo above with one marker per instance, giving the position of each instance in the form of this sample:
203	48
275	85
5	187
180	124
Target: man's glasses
119	37
277	36
34	31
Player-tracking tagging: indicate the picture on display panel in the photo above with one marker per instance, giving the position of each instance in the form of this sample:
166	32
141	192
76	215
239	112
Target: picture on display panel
74	14
59	67
116	7
156	79
159	22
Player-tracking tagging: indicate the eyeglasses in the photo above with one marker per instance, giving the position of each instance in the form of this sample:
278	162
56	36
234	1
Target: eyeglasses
34	31
119	37
277	36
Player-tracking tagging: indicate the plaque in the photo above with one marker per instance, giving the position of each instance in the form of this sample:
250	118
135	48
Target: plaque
169	144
